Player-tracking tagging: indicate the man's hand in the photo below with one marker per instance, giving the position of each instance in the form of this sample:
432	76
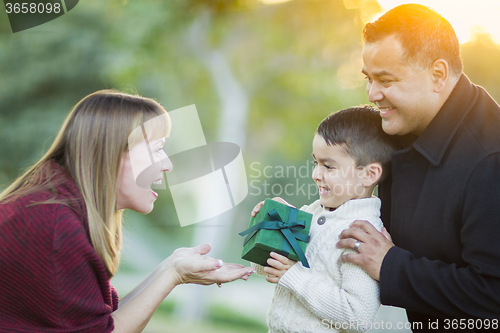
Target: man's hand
372	250
279	265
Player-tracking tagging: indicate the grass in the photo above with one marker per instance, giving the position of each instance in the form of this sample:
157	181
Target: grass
220	319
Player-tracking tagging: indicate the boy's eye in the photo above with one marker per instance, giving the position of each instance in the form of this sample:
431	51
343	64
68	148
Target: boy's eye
314	162
329	167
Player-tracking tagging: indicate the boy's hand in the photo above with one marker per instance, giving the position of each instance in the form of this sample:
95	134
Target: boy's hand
259	205
279	265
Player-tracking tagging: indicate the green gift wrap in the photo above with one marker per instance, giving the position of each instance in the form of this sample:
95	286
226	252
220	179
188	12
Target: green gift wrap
279	228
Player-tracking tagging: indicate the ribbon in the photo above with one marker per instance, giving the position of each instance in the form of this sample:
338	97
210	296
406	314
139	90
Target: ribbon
290	230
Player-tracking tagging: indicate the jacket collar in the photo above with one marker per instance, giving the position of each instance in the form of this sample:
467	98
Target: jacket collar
435	139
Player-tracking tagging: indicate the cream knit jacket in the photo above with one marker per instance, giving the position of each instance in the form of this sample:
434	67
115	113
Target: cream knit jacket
331	296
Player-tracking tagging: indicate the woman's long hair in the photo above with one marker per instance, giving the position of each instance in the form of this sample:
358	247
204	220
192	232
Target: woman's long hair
90	147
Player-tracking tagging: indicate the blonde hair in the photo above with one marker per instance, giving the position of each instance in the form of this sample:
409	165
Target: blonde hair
90	147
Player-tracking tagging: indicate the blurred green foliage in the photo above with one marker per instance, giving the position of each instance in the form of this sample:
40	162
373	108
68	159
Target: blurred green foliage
219	314
220	319
296	62
481	59
285	57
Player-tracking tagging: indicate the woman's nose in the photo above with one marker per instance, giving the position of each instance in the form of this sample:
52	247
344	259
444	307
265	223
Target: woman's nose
166	163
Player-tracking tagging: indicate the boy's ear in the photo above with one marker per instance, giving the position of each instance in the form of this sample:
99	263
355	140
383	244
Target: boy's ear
373	172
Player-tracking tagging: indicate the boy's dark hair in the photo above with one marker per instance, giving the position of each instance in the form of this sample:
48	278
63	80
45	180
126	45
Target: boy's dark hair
359	131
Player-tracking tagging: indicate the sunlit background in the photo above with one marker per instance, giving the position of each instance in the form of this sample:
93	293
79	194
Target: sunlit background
467	18
278	67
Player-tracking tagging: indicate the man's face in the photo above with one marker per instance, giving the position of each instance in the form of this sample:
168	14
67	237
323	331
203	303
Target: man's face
404	93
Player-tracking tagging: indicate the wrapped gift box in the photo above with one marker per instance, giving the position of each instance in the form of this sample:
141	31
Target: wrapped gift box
279	228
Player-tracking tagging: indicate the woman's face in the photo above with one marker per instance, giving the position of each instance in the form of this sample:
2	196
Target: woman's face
140	168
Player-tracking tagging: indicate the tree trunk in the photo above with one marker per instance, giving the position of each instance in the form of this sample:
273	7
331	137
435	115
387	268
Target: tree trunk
234	103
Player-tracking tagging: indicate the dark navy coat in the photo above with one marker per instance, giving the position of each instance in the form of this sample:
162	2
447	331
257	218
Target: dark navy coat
442	209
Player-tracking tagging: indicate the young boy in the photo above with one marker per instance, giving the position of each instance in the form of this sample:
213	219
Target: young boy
351	155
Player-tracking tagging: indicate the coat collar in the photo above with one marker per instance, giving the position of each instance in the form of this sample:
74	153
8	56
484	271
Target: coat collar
436	138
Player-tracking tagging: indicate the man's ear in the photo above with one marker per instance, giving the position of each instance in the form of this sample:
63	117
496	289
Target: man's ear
373	172
440	73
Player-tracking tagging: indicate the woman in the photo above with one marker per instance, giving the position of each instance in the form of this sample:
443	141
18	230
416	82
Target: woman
61	224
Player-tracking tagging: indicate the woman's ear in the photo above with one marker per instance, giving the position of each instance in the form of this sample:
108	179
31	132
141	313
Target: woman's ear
373	172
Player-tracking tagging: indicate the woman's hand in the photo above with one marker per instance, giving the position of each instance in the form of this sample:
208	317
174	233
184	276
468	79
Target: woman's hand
191	266
260	204
185	265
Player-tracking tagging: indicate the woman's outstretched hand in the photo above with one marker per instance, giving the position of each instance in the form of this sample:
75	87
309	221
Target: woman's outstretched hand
192	266
185	265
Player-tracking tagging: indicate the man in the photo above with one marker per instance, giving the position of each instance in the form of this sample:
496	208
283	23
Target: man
442	205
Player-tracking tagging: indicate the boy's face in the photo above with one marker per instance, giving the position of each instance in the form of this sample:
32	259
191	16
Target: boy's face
336	174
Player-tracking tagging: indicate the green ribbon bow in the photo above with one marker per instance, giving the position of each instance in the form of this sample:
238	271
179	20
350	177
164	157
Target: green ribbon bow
290	230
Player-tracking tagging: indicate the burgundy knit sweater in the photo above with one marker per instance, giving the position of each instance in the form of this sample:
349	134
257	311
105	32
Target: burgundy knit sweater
51	278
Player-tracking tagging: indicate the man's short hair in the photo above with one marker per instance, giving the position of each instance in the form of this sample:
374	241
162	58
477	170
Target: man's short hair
424	35
359	131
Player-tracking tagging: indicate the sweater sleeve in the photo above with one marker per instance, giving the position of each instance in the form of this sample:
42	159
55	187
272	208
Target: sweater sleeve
353	303
53	280
448	290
